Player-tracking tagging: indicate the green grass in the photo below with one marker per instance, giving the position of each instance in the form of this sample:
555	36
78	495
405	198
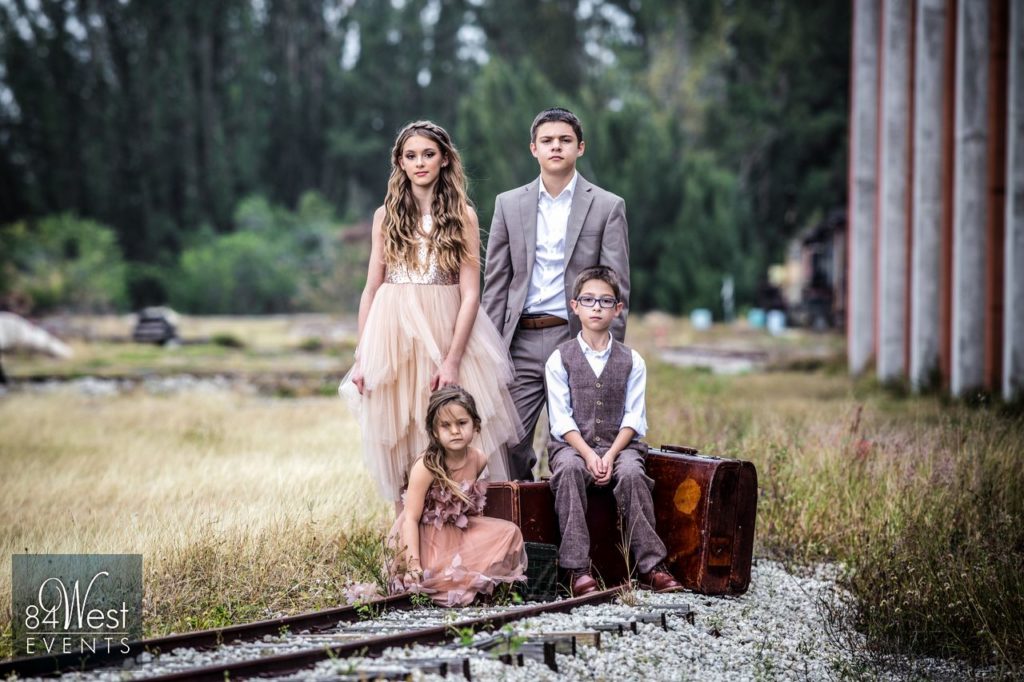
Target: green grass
128	359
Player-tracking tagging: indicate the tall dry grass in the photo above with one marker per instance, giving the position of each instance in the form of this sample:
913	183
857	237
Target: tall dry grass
244	505
921	500
239	505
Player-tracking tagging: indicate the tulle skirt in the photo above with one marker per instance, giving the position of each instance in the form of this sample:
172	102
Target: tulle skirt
405	338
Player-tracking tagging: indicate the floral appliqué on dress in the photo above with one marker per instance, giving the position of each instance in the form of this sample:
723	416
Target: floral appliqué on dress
444	506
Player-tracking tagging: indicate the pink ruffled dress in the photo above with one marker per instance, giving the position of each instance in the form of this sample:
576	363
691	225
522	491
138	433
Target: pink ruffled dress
462	553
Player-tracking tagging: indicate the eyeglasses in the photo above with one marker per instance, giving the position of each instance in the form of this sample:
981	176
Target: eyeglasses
589	301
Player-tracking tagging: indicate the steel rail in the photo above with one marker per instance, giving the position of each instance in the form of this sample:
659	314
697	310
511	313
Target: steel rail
201	639
282	664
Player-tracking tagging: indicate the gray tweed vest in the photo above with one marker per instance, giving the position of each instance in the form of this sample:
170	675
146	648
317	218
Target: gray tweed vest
598	403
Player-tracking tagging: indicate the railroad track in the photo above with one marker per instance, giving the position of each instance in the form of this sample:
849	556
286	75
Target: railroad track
202	639
285	646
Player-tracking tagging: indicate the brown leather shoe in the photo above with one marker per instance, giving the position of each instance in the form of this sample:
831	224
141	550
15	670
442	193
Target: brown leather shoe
581	582
659	580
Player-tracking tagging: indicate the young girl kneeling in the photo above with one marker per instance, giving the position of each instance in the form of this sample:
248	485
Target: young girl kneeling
447	548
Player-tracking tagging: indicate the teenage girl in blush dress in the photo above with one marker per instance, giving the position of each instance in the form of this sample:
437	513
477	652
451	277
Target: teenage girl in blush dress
418	324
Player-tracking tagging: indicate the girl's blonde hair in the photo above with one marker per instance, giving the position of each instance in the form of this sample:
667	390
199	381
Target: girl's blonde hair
434	457
448	211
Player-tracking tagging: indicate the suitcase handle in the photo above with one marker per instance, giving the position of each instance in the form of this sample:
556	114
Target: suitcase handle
686	450
681	449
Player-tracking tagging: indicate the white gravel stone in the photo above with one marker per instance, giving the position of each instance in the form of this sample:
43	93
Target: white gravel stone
774	631
100	387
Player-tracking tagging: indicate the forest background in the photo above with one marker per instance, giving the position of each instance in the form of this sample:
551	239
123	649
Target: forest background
226	156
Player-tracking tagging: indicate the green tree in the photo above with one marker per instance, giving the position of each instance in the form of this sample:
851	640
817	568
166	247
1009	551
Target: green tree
704	245
494	128
159	118
546	32
781	120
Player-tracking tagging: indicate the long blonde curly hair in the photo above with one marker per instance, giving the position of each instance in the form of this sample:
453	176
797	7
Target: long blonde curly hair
449	210
434	457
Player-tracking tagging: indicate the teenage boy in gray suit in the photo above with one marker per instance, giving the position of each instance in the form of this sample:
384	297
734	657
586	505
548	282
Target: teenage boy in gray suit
542	236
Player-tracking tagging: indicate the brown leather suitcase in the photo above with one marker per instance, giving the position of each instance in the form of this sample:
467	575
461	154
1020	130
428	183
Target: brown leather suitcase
704	510
531	506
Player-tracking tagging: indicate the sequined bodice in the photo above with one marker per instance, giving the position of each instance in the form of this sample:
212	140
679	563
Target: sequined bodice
429	271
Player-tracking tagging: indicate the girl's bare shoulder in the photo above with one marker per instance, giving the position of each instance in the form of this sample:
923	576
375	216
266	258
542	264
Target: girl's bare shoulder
480	458
419	470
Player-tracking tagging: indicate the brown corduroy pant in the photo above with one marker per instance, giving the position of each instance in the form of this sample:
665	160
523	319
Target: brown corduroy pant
632	488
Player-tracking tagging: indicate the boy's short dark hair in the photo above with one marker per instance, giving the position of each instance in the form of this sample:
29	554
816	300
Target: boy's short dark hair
557	114
601	272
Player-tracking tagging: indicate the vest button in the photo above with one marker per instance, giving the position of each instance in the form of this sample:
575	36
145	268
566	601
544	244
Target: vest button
597	437
598	385
598	420
599	402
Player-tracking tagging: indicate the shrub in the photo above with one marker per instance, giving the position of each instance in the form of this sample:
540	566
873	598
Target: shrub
61	262
333	267
243	272
276	261
227	340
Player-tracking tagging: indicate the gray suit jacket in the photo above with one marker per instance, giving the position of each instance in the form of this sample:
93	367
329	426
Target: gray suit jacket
597	234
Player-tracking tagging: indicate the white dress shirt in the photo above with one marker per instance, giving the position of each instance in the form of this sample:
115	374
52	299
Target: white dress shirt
560	404
546	293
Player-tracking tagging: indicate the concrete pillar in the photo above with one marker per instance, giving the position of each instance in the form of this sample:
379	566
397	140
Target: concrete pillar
970	197
1013	319
929	80
894	184
863	187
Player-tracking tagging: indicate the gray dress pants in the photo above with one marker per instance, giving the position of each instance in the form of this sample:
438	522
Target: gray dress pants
530	350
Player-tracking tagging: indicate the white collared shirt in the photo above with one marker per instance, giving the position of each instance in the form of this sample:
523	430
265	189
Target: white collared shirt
560	404
546	293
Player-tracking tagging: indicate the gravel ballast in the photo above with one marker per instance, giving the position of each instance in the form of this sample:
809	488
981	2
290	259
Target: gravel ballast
777	630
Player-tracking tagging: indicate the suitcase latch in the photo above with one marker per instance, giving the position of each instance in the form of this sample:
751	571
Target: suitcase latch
720	551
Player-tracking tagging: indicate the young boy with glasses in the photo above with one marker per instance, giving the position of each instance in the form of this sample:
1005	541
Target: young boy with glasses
597	412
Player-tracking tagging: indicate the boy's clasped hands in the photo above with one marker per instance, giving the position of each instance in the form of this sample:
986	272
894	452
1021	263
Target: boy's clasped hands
600	466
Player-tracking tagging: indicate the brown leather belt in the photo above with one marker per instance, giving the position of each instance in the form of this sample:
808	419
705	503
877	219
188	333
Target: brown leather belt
540	321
